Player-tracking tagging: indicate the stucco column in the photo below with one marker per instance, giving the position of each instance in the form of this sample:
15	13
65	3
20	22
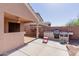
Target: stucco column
1	22
37	30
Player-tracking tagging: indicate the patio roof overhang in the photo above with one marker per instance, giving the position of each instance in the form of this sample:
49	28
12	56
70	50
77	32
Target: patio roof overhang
39	24
17	18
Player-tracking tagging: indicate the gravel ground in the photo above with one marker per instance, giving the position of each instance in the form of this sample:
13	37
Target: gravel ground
72	50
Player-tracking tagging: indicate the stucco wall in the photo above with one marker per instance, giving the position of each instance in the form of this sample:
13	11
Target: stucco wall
1	22
11	41
18	9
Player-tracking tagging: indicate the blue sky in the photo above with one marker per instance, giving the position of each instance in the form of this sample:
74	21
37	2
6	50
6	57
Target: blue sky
57	13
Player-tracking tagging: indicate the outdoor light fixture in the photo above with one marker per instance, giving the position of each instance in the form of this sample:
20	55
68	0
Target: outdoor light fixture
18	20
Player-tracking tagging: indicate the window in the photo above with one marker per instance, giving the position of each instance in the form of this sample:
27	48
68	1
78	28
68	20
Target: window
56	31
61	35
13	27
65	35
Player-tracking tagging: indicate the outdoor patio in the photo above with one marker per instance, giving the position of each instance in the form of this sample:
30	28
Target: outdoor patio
37	48
28	39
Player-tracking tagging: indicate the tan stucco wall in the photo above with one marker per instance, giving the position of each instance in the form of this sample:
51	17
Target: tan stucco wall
18	9
1	22
22	27
10	41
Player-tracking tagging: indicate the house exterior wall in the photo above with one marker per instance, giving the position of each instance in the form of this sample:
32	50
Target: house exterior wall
9	41
1	22
18	9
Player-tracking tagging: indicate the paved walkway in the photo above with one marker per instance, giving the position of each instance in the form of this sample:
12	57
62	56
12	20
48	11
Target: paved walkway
37	48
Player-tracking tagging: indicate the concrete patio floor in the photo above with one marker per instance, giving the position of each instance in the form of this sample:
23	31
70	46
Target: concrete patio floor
28	39
37	48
